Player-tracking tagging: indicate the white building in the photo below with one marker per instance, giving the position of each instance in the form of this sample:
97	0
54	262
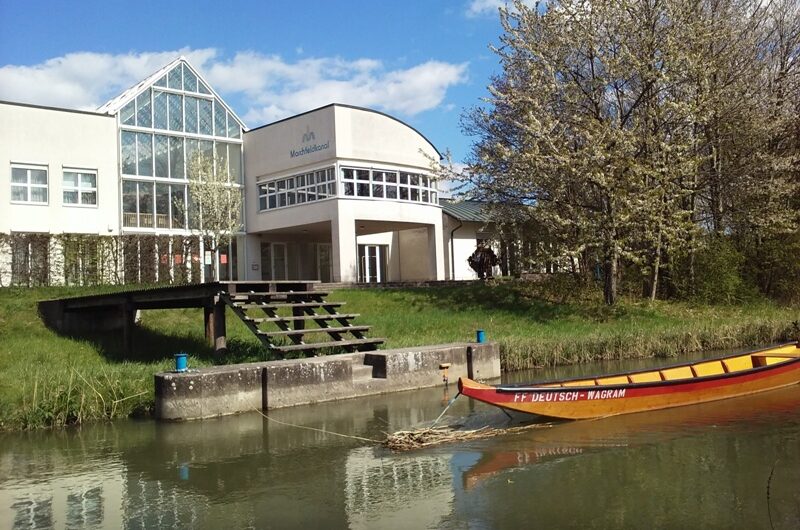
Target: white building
339	194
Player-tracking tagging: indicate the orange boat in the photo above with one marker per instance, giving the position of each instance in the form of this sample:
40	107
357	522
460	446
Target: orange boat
673	386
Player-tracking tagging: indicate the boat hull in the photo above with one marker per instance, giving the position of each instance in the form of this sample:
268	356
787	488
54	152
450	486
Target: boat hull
597	401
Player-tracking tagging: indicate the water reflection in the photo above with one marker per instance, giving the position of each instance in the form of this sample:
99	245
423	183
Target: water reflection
705	465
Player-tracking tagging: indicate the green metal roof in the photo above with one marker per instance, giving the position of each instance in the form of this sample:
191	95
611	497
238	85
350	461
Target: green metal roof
466	210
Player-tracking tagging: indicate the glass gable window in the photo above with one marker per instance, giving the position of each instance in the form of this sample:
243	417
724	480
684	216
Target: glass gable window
160	113
297	189
385	184
175	78
80	187
189	80
204	117
175	112
144	117
29	184
190	114
161	129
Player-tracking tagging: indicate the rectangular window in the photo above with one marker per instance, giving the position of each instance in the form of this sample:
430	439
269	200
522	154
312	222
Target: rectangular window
204	117
146	204
162	156
176	166
80	187
144	154
129	203
160	110
29	184
128	147
175	112
162	206
190	113
178	206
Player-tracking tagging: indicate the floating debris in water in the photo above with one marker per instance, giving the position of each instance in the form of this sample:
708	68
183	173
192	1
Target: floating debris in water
426	437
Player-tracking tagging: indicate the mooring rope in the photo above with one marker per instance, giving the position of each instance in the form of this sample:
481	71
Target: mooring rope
370	440
445	410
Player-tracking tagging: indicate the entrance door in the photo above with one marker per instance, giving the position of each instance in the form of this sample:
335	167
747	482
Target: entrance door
372	261
324	262
273	261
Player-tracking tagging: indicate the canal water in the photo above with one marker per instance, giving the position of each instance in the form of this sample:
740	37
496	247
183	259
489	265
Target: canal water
730	464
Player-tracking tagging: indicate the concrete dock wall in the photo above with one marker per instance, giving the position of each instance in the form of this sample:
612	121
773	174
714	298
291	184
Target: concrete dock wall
231	389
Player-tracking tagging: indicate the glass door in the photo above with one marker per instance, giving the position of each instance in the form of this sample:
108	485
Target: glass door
372	263
274	265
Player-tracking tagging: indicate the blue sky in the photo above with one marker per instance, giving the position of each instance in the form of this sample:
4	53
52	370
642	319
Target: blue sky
424	62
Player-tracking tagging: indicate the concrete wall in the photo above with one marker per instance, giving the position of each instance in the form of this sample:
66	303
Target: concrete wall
59	139
371	136
268	150
238	388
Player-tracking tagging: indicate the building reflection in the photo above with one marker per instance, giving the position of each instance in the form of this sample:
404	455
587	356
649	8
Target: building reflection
249	471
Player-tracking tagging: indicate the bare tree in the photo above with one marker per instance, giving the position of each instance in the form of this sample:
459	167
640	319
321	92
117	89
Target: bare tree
215	203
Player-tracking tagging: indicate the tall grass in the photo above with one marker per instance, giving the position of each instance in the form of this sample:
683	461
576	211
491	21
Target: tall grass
49	380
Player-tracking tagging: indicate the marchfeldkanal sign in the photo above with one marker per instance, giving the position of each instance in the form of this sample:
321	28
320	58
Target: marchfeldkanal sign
309	136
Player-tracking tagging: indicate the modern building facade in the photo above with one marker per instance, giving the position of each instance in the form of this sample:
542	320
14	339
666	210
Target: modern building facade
339	194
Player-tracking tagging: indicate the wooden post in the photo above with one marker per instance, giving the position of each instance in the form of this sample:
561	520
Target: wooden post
208	319
214	316
128	321
219	335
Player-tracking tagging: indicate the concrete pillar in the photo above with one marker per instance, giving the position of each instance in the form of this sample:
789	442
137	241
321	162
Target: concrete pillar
251	260
436	261
343	248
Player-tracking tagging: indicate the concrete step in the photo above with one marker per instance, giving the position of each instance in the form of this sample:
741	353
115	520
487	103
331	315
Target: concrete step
361	372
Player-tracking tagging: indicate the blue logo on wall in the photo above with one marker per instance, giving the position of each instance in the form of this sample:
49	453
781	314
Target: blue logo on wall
309	136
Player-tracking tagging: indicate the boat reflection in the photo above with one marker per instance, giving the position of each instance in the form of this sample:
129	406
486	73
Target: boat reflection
568	439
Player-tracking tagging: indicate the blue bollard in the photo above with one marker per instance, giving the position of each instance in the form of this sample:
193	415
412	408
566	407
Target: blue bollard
180	362
183	472
480	336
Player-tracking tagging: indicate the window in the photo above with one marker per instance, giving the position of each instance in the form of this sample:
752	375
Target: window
382	184
29	184
80	187
297	189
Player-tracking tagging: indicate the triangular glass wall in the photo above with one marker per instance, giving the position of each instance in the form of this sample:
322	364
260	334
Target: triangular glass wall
167	123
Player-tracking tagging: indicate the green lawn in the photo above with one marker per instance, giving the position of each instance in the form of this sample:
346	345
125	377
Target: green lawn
47	379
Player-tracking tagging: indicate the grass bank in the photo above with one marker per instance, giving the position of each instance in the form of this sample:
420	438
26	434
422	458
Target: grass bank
51	380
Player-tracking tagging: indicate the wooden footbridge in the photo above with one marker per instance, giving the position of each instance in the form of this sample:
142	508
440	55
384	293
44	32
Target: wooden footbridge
286	316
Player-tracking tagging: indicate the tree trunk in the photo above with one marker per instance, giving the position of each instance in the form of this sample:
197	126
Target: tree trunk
610	276
656	267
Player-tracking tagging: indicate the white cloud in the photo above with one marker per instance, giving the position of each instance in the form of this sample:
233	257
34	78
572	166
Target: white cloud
85	80
268	86
477	8
276	89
